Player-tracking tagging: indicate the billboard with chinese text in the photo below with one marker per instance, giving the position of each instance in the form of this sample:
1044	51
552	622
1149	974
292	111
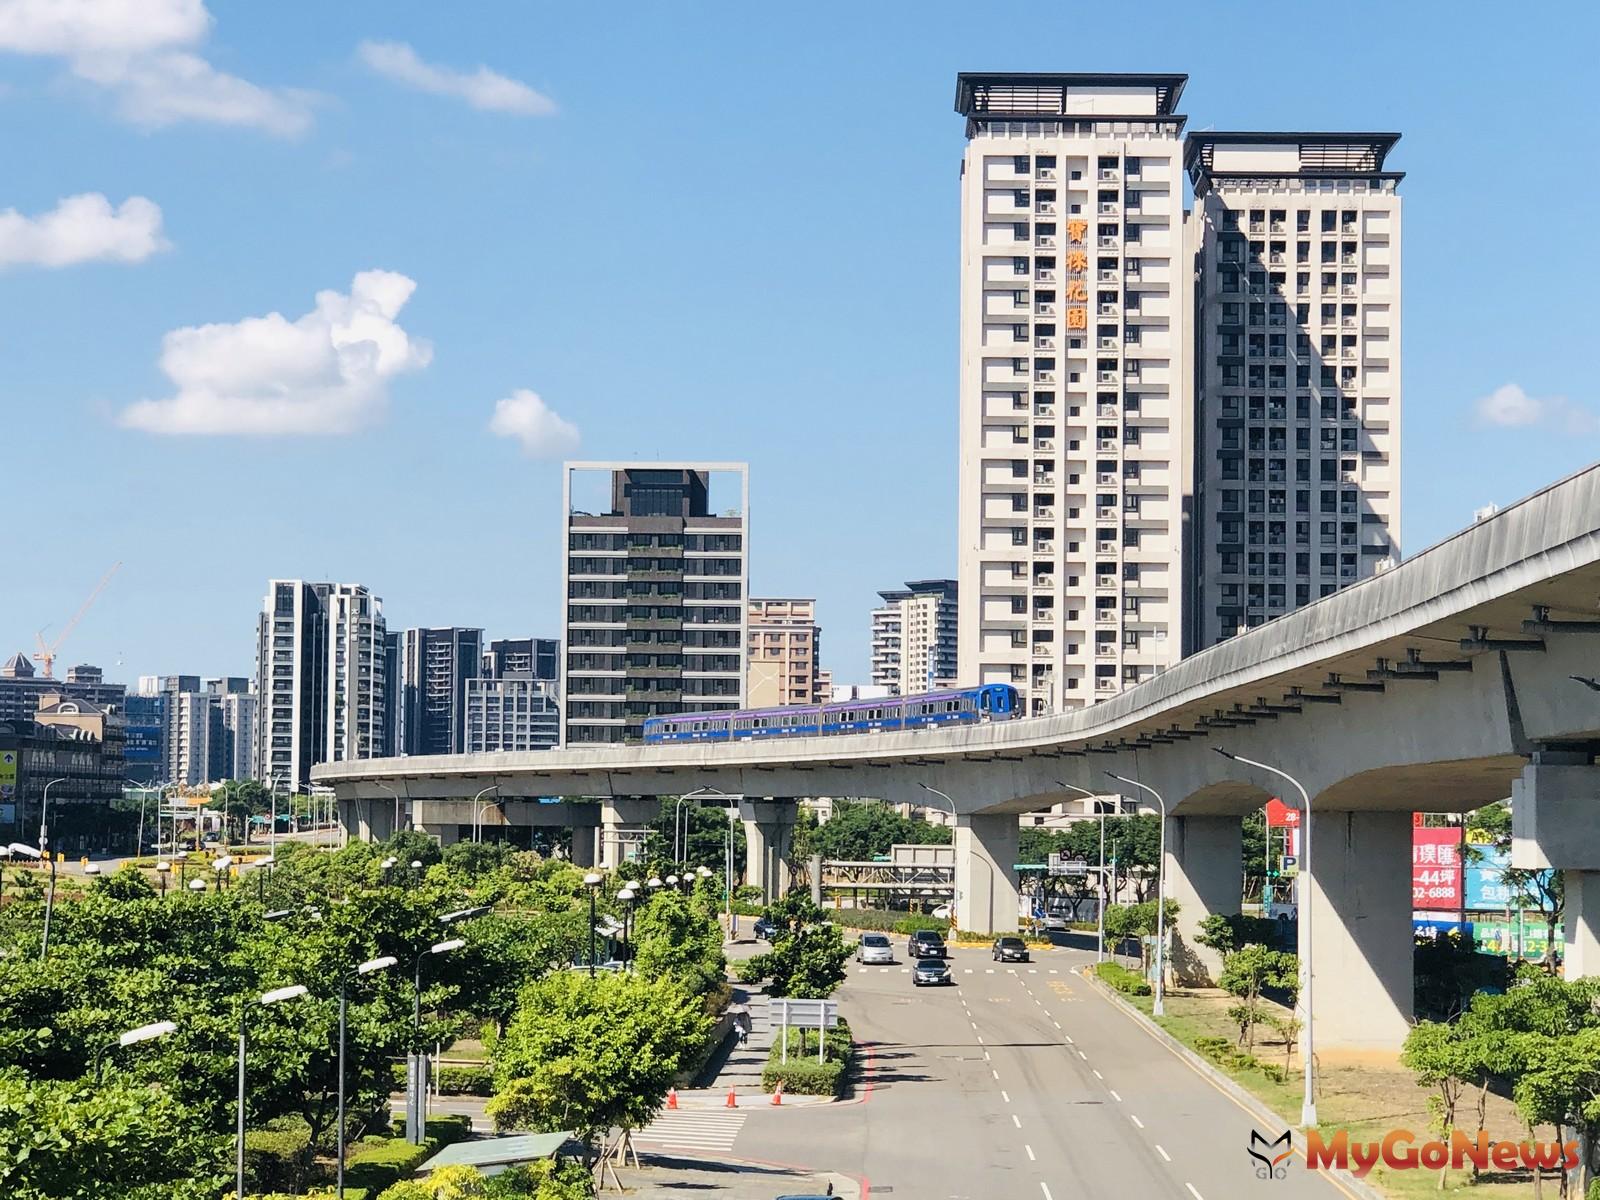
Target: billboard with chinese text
1435	867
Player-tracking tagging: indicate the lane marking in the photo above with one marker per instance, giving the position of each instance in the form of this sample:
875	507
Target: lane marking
966	970
988	970
1029	1149
986	1056
1068	1036
1031	971
1004	1095
1163	1153
1083	1056
905	970
1098	1076
1016	1120
980	1039
1052	970
995	1073
1192	1191
1045	1188
1136	1120
1114	1095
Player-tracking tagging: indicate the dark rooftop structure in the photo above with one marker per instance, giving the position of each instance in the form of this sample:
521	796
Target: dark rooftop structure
1027	94
1321	154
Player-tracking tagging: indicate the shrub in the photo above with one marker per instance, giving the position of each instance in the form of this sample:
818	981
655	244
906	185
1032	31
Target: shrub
278	1158
881	920
805	1077
466	1081
379	1163
1118	976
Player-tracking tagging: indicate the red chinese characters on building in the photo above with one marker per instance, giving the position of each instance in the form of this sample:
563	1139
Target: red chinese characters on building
1435	867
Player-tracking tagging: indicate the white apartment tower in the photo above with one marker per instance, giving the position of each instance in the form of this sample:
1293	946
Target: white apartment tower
319	678
914	637
1075	453
1296	238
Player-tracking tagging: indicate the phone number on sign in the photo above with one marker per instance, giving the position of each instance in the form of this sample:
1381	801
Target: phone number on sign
1434	893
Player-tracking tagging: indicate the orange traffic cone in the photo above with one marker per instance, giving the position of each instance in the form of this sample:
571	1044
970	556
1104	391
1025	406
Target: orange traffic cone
777	1094
732	1103
672	1098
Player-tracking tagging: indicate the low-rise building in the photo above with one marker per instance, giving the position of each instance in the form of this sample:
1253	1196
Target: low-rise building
76	749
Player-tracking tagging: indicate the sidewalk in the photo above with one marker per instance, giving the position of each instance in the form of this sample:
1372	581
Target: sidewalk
664	1176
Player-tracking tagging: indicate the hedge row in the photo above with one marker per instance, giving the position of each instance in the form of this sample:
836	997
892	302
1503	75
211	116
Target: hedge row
1118	976
880	920
375	1163
803	1075
1224	1053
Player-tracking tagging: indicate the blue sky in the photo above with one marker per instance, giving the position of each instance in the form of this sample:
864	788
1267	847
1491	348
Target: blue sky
691	231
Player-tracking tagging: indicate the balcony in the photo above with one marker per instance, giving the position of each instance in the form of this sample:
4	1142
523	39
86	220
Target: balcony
1106	376
1044	514
1044	343
1044	548
1043	444
1044	273
1044	410
1045	173
1105	616
1047	207
1106	274
1044	309
1107	443
1107	410
1044	650
1106	512
1044	480
1105	685
1045	376
1046	241
1109	174
1107	208
1107	309
1107	241
1105	650
1106	343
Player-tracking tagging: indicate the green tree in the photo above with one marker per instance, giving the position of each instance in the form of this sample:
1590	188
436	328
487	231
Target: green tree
1447	1061
591	1055
1246	973
1125	921
673	936
1226	933
808	955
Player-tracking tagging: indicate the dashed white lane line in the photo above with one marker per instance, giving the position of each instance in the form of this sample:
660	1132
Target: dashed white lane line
1045	1188
1098	1076
1016	1120
1029	1149
1011	970
995	1073
1114	1095
988	970
1192	1191
967	970
1068	1036
974	1024
1032	971
1057	1024
1083	1056
1163	1153
905	970
1052	970
1004	1095
980	1039
986	1056
1138	1123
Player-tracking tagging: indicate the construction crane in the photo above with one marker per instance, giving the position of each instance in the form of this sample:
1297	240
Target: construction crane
46	654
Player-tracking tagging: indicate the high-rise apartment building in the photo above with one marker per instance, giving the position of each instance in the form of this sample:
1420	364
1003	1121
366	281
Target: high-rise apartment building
537	658
785	646
1296	238
655	587
320	650
510	712
914	637
1074	357
435	665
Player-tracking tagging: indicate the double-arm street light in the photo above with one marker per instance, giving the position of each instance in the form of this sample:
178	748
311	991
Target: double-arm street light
677	850
1100	922
394	826
144	1033
276	996
953	922
1159	1008
479	809
1308	1100
144	794
362	969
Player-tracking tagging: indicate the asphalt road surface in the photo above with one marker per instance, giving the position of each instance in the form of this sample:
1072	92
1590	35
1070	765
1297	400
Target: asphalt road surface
1021	1081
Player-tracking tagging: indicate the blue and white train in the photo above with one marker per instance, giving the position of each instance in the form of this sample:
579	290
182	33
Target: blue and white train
964	706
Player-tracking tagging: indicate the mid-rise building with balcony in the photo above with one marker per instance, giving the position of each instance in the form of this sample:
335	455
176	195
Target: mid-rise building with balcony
914	637
1296	243
785	648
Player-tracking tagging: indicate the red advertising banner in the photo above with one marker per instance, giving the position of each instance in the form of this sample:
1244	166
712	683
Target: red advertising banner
1280	814
1436	867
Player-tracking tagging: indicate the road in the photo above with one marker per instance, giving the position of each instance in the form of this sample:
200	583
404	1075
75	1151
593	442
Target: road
1020	1081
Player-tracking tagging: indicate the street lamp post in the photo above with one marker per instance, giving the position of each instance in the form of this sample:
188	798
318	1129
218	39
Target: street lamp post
1159	1008
477	811
626	897
591	881
50	898
677	857
394	826
981	858
142	1034
163	869
1308	1099
144	795
1100	921
415	1116
276	996
366	968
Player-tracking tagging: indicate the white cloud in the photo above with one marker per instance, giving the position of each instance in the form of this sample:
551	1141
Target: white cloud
82	229
141	52
543	432
1509	406
327	372
483	88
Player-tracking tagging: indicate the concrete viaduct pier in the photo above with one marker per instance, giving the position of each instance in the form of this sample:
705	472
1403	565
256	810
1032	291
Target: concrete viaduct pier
1467	674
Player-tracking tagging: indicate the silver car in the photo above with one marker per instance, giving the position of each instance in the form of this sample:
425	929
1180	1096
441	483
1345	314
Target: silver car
874	948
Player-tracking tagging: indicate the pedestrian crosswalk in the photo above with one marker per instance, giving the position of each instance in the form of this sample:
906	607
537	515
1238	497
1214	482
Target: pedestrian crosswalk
693	1130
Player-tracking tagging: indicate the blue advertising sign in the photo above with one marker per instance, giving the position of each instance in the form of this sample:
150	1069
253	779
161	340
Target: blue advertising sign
1484	888
143	745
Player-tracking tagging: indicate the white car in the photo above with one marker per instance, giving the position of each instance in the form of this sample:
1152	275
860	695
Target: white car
874	948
